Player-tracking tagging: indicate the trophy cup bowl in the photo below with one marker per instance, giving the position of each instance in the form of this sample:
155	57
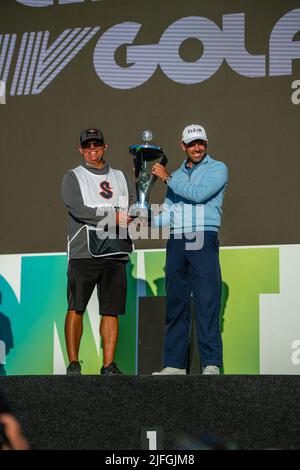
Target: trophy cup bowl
143	154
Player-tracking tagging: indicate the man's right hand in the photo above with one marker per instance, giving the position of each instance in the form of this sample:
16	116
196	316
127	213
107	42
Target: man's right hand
123	219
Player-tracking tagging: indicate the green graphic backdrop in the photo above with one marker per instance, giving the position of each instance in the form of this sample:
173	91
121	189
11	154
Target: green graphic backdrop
27	327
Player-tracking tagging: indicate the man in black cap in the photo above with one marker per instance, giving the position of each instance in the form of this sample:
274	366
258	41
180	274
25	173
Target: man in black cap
97	198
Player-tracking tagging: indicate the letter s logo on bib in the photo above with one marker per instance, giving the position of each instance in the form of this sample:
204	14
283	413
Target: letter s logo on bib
106	192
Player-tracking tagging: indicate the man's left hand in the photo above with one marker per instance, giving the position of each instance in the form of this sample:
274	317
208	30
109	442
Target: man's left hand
160	171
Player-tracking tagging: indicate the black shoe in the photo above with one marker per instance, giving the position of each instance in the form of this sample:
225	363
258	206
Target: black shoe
111	369
74	368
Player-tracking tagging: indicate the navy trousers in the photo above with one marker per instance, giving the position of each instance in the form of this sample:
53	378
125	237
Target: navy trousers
195	272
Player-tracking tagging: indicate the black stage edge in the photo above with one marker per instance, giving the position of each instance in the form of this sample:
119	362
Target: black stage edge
108	413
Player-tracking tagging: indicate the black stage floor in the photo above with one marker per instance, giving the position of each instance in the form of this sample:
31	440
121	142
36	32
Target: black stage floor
94	412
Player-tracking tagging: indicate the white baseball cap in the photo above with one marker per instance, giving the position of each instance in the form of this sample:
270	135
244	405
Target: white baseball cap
193	132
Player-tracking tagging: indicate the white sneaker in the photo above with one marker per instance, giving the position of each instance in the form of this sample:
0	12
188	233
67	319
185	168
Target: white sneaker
211	370
170	371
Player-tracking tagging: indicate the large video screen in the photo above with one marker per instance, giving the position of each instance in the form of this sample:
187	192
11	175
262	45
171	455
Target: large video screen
129	65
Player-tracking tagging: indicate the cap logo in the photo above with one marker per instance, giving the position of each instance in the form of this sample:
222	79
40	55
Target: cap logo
190	131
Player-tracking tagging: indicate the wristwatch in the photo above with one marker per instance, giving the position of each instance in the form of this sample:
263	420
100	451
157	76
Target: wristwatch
167	179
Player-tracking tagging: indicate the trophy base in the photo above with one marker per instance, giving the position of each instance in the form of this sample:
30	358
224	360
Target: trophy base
138	211
142	213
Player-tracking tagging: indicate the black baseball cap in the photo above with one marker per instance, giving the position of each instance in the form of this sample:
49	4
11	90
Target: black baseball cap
91	134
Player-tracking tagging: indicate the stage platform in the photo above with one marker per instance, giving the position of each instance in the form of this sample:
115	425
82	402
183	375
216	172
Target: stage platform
109	413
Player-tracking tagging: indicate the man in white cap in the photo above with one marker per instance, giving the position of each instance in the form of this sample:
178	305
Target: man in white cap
193	208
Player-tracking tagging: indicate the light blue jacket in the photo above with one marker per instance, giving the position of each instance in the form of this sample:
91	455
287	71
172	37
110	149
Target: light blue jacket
194	197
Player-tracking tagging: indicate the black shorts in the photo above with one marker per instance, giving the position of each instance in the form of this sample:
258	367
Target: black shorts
108	275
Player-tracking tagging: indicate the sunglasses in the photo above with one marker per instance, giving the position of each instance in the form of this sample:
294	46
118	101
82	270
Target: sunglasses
89	143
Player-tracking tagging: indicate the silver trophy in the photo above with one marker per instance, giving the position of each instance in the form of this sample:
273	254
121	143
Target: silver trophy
144	154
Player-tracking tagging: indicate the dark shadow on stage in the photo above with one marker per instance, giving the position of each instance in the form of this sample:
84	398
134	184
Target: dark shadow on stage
6	339
151	326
